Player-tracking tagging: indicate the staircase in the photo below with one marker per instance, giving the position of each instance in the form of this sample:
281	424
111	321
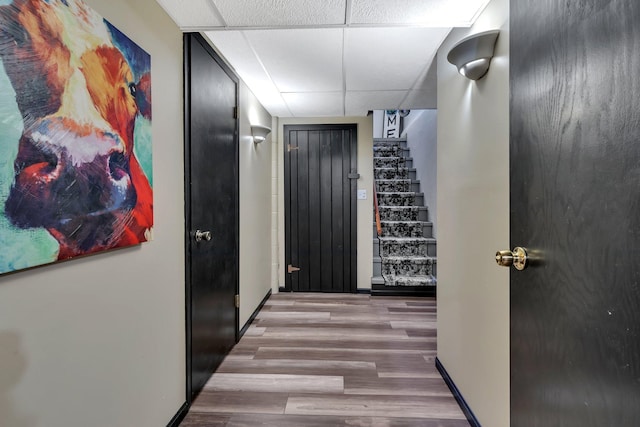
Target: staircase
404	255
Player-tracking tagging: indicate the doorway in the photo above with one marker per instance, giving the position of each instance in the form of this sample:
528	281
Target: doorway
320	169
211	210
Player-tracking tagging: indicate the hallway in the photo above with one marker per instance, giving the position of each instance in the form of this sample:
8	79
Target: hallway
332	360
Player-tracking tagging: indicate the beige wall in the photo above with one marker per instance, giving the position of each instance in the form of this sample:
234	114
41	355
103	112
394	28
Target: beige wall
365	207
99	341
473	222
255	206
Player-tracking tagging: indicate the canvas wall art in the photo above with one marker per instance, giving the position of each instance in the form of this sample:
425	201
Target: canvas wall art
75	134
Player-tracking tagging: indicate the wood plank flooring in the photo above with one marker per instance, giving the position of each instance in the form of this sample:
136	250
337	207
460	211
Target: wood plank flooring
328	360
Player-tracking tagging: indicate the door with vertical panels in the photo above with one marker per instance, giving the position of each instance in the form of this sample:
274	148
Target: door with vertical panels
320	208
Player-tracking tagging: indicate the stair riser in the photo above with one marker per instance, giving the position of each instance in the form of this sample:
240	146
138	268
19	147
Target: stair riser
431	248
406	268
394	248
405	229
391	173
386	151
377	268
397	199
395	185
388	213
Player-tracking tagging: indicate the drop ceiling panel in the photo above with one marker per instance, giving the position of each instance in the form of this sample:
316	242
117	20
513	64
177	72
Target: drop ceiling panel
234	47
308	60
389	58
324	104
420	99
281	12
358	103
191	13
439	13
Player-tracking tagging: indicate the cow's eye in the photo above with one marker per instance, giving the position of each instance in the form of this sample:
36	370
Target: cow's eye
132	89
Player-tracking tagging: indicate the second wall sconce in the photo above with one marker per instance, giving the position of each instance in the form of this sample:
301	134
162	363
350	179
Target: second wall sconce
472	55
259	133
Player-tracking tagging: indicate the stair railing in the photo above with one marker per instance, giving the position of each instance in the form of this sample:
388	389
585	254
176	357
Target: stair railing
377	211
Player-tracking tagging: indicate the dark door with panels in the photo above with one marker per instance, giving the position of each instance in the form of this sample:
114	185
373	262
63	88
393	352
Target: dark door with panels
575	205
211	174
320	208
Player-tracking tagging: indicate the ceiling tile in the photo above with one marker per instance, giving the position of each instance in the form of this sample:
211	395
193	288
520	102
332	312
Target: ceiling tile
389	58
326	104
234	47
281	12
308	60
420	99
191	13
434	13
358	103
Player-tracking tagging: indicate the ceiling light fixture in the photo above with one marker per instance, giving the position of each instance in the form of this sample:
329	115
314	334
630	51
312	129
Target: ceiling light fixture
472	55
259	133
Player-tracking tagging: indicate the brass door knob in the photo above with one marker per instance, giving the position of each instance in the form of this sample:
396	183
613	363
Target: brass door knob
518	258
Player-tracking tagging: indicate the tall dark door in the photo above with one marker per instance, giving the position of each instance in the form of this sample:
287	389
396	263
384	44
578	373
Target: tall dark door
211	168
320	208
575	204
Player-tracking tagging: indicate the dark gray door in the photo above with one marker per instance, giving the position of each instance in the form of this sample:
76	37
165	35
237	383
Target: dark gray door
211	168
575	204
320	207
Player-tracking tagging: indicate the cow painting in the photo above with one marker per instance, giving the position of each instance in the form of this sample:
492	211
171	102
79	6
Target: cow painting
71	173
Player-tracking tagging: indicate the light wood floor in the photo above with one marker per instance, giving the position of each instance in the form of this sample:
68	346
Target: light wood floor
332	360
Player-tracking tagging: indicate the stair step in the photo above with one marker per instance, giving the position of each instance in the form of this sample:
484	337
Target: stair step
392	162
391	185
390	150
403	213
407	266
427	280
405	228
408	198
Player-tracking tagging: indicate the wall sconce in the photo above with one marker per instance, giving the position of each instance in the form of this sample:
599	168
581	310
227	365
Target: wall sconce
259	133
472	55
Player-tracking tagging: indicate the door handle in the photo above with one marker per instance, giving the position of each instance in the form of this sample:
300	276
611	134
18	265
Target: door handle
291	268
518	258
200	235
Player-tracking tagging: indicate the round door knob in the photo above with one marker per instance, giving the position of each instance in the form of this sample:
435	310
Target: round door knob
200	235
518	258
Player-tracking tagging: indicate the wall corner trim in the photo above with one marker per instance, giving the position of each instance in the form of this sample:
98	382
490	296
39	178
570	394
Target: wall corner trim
253	316
179	416
473	421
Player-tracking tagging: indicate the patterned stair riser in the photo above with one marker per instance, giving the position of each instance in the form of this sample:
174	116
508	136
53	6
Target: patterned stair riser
404	247
393	185
396	199
391	173
402	213
410	281
388	162
402	229
386	151
407	267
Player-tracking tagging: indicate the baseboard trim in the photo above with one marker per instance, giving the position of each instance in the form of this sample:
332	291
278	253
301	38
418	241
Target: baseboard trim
473	421
253	315
179	416
363	291
405	291
282	289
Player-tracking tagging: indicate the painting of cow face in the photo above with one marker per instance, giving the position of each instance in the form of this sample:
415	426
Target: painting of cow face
75	134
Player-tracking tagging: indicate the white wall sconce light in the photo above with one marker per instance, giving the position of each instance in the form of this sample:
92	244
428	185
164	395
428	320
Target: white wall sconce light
259	133
472	55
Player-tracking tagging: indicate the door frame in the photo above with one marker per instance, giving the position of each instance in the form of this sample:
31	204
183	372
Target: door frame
353	193
187	195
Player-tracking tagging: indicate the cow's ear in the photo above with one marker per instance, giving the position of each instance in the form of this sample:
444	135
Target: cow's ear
143	95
